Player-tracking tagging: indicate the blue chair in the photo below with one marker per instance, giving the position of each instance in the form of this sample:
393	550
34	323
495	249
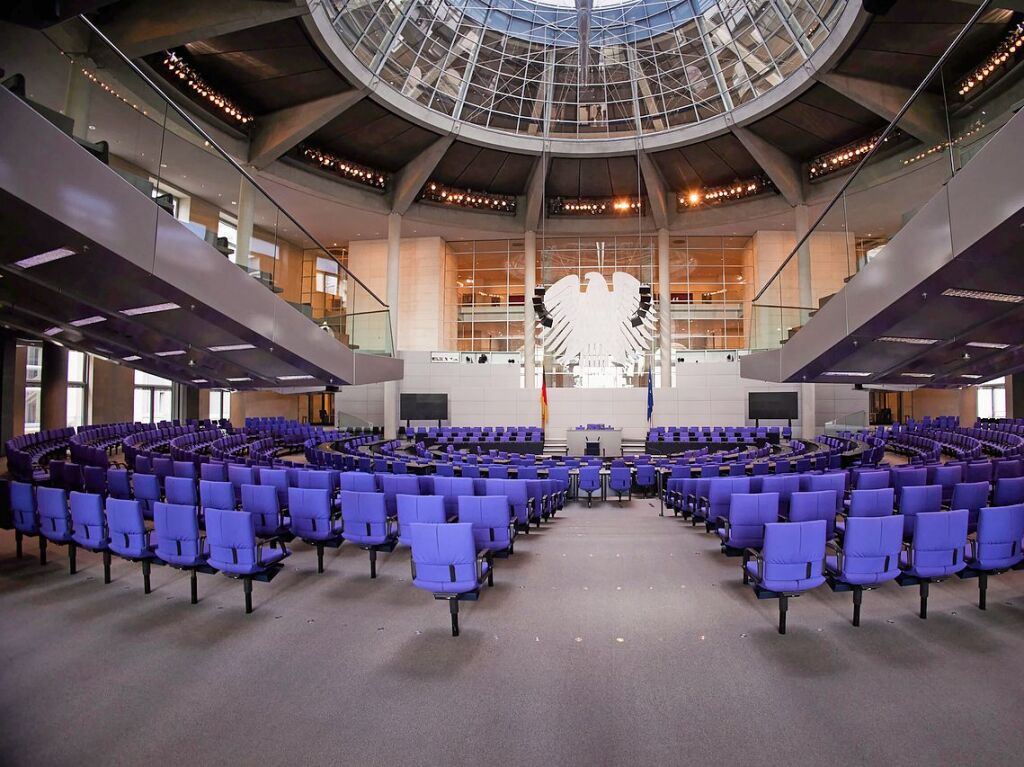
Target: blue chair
445	561
918	499
216	495
935	551
213	472
947	477
620	481
646	478
277	479
494	527
25	517
94	479
716	504
814	504
996	548
235	551
179	543
414	509
972	496
589	482
238	476
908	477
872	480
180	490
268	521
314	520
744	526
367	524
392	485
869	503
497	471
785	485
526	472
1008	491
451	489
146	490
185	469
55	520
358	482
789	564
89	526
868	557
129	538
119	484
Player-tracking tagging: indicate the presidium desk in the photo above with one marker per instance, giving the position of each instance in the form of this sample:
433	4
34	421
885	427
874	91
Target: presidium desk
609	441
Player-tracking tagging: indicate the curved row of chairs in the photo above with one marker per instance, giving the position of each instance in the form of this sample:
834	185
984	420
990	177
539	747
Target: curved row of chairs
860	529
27	453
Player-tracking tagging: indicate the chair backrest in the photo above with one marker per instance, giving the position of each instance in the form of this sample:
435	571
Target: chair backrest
365	517
872	480
937	544
185	469
232	539
645	476
589	478
94	479
418	508
176	532
118	484
1007	469
163	467
54	517
814	504
214	472
871	547
146	487
620	478
317	480
126	528
783	484
310	513
1000	532
914	477
497	471
720	492
793	553
358	481
216	495
835	481
240	475
277	479
23	507
262	502
444	557
972	496
180	490
87	520
489	516
978	472
748	514
526	472
919	499
394	485
1008	491
873	503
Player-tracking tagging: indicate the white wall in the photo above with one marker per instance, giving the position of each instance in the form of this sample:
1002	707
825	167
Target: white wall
706	394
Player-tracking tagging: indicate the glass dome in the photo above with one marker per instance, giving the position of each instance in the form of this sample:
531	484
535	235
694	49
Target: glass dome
583	68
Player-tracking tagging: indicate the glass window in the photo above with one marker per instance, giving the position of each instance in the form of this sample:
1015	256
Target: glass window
992	399
220	405
152	398
77	389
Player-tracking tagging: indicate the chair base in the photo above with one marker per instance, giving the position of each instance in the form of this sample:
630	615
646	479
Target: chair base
332	543
387	548
903	579
982	576
453	605
193	576
783	597
264	577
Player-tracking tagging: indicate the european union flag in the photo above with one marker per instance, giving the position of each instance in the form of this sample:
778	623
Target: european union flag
650	395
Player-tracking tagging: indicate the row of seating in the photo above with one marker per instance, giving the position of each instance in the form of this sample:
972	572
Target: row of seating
27	453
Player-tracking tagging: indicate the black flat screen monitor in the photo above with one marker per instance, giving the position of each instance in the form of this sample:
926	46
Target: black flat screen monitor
773	406
424	407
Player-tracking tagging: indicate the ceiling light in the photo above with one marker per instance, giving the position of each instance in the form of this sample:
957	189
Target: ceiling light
44	258
88	321
982	295
987	345
132	358
174	353
232	348
901	340
918	375
293	378
971	376
52	331
844	373
199	380
239	380
151	309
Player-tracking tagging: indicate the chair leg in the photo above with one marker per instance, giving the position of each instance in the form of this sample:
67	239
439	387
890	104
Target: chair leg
42	550
145	576
858	597
982	590
247	588
106	567
783	607
72	558
373	563
453	607
195	587
319	557
490	570
17	543
924	600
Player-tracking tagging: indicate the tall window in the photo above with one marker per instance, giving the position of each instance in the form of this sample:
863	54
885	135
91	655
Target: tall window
152	398
220	405
33	379
992	399
78	388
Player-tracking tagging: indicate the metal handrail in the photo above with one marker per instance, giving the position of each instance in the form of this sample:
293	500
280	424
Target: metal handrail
223	153
881	140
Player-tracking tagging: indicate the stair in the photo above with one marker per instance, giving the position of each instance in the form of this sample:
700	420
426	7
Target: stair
633	447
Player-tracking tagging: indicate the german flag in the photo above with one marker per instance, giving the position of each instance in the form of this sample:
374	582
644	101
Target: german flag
543	400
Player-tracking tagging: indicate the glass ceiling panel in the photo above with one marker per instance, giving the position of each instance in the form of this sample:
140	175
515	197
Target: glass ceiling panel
583	68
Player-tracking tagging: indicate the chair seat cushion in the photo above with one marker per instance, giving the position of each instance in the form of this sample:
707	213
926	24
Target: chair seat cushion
786	586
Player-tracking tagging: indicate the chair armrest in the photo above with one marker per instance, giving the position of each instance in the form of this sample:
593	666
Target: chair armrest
973	543
724	523
484	555
391	526
783	517
910	553
840	555
749	553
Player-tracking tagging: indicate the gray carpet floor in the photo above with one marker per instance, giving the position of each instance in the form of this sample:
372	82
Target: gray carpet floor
612	637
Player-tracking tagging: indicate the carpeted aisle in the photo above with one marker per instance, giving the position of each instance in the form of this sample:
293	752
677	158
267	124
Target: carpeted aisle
612	637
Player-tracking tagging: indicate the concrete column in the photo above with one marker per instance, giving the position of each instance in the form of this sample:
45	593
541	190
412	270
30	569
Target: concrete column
803	225
529	320
807	411
246	215
8	377
77	98
392	295
664	310
184	401
54	388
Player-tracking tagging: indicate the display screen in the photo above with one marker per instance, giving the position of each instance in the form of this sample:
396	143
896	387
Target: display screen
773	405
424	407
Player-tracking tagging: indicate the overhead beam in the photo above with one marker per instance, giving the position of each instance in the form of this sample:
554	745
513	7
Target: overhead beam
535	194
656	196
410	180
1011	5
148	26
783	170
924	120
276	133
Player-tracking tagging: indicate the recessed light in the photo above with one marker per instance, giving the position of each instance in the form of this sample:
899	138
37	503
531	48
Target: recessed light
44	258
232	348
92	127
88	321
293	378
239	380
132	358
151	309
174	353
199	380
902	340
163	165
52	331
845	373
982	295
987	345
918	375
971	376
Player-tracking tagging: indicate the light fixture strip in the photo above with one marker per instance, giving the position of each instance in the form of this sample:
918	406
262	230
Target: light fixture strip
151	309
983	295
44	258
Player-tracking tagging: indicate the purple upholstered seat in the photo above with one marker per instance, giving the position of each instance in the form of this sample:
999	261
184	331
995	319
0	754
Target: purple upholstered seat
936	550
744	525
216	495
358	482
789	563
918	499
261	501
445	562
493	526
314	520
25	516
177	537
620	482
451	489
413	509
869	557
180	490
972	496
393	485
235	550
815	504
367	523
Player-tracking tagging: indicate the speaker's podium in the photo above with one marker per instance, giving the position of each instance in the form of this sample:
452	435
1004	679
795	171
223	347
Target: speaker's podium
591	440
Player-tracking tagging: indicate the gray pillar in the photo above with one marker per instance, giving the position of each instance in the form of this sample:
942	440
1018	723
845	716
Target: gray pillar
77	97
53	400
803	225
392	297
664	309
246	214
184	402
8	366
807	411
529	321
